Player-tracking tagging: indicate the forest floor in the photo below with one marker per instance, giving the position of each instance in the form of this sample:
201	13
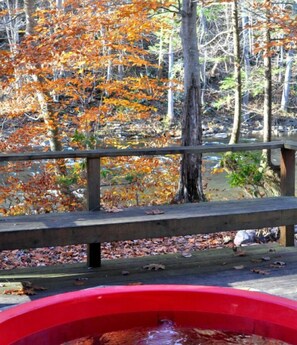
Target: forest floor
183	245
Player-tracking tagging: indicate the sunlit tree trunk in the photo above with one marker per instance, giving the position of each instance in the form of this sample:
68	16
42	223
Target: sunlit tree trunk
287	81
59	4
160	55
203	26
29	14
246	52
12	24
44	97
190	187
267	112
170	95
237	76
288	73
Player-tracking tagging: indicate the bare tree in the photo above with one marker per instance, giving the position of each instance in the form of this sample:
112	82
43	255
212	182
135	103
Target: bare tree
190	186
170	95
44	97
237	76
12	23
267	112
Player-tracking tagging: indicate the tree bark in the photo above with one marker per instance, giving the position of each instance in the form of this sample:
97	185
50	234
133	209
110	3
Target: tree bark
44	97
29	14
246	51
190	186
289	68
267	116
287	81
170	95
237	76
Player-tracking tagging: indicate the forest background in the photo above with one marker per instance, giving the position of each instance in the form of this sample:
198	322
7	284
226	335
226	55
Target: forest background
94	74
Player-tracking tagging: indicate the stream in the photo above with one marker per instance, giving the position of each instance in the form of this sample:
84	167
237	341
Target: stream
218	187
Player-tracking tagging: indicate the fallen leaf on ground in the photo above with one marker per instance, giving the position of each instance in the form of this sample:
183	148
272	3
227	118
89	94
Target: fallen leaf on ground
256	261
186	255
278	264
227	239
80	281
258	271
113	210
239	267
153	212
135	283
240	253
154	267
18	292
28	289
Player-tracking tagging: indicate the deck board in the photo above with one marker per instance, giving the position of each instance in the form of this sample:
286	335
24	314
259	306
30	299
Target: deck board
135	223
211	267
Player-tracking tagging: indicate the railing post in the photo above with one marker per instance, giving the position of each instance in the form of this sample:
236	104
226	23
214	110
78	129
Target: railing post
93	200
287	165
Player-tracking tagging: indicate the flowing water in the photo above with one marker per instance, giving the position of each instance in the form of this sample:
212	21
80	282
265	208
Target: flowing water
168	334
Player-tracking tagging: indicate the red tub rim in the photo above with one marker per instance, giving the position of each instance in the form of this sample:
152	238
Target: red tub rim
249	311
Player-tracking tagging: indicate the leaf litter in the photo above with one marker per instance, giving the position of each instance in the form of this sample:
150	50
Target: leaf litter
60	255
27	289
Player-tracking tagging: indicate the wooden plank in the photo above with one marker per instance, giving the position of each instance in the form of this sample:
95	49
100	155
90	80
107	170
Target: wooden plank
5	157
290	145
206	267
93	184
93	199
135	223
287	165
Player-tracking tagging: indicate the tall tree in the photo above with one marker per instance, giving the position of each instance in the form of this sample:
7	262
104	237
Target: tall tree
246	53
43	96
237	75
267	112
289	68
190	185
170	95
29	15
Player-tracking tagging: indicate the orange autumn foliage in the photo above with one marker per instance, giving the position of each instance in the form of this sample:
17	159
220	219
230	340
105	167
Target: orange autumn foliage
87	66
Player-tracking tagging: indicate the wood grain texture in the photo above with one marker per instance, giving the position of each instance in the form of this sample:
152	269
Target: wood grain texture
135	223
93	199
10	157
287	166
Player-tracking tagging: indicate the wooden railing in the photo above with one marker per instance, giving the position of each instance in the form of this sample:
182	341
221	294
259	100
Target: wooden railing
287	160
287	167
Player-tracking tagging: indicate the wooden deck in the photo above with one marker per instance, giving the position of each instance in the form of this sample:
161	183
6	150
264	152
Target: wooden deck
211	267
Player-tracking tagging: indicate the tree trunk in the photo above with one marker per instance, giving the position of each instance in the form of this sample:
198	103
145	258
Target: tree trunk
288	73
267	116
44	97
246	56
237	76
170	95
190	186
29	14
287	81
160	56
203	25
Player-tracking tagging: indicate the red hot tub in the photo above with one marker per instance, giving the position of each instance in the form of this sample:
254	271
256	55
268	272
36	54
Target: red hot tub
57	319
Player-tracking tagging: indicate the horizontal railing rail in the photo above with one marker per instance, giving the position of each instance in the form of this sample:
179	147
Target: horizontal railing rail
27	156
